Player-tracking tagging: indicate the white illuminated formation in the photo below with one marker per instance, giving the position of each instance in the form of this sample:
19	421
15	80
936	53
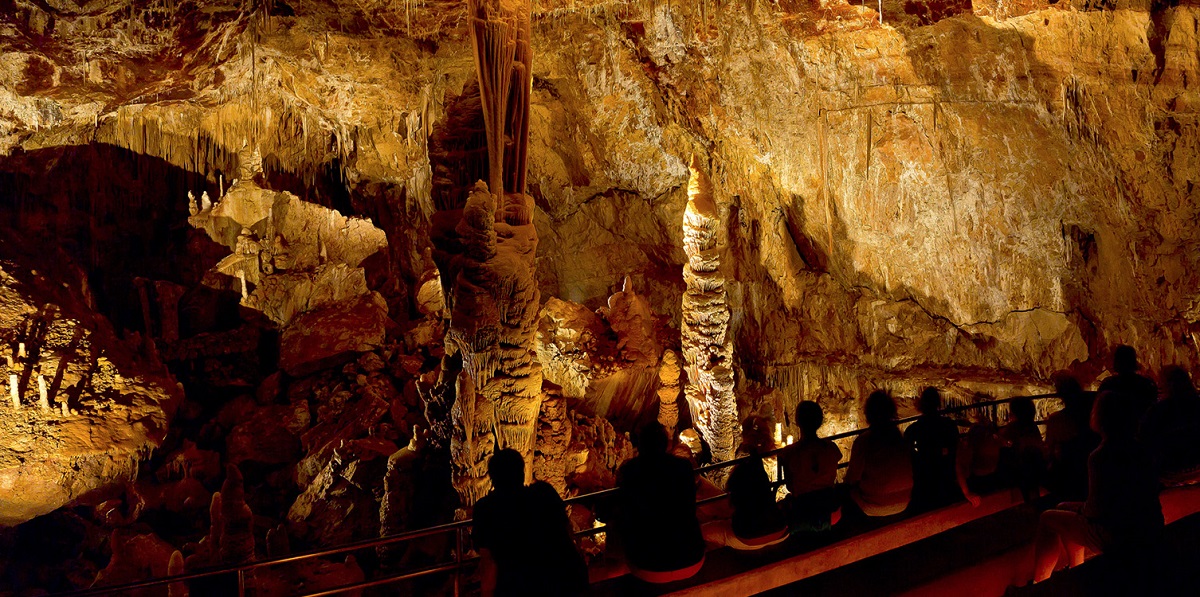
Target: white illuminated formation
707	344
13	391
43	397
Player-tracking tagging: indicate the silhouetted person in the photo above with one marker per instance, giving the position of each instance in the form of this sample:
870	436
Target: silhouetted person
934	441
523	535
1127	382
1069	440
1122	509
1024	451
810	470
1171	428
757	520
880	472
978	458
656	511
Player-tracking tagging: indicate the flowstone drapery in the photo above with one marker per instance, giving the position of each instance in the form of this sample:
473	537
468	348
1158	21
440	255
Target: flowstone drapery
707	343
488	259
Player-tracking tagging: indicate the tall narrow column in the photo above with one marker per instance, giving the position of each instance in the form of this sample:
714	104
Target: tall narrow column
493	296
707	344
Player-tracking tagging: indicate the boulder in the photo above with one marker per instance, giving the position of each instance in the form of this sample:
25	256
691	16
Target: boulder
333	334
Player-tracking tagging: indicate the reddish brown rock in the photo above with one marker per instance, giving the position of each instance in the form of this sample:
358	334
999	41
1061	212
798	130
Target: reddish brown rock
333	335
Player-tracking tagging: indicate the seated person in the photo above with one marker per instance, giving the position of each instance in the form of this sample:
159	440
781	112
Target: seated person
1023	451
523	535
978	458
1127	382
1122	507
934	441
1069	440
1171	429
655	517
879	477
810	469
757	521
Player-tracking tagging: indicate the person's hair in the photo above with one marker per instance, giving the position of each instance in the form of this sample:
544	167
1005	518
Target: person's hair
880	409
506	469
1125	359
809	417
1114	416
1178	384
652	439
930	401
756	435
1022	410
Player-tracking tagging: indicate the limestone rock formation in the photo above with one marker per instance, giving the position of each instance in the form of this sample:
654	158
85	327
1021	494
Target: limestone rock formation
111	406
668	391
707	336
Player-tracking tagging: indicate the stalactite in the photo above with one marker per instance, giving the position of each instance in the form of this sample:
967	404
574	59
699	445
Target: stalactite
707	344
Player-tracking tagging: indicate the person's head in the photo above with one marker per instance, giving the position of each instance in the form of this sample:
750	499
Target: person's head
1022	410
880	409
756	435
809	418
1177	383
1068	388
652	439
930	401
506	469
1125	359
1114	416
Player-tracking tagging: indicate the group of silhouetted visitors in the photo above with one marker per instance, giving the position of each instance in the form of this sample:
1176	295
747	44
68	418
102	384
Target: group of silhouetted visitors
1102	460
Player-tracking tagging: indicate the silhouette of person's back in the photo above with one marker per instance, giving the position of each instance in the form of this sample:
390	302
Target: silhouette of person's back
1127	382
934	441
810	470
1069	440
1171	428
880	469
523	535
656	511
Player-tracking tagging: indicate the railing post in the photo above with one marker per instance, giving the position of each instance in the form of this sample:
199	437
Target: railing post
241	580
458	560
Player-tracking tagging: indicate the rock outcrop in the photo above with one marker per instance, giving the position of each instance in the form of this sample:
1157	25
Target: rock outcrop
102	406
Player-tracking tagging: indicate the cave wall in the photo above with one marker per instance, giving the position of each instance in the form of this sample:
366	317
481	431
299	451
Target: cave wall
948	198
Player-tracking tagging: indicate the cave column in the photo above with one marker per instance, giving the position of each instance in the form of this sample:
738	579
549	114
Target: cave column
707	343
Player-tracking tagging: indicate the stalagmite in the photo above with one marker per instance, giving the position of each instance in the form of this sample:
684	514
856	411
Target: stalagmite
242	280
205	202
668	391
192	208
20	350
63	408
493	298
707	344
43	395
472	442
13	391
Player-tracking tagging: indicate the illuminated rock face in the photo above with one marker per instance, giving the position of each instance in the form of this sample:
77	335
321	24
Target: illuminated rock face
106	405
945	199
707	340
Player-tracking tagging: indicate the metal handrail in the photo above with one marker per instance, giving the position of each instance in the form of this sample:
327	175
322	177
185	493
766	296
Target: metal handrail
458	526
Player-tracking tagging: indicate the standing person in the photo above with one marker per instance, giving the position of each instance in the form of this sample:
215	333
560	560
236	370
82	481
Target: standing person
880	472
656	511
1122	507
1126	381
810	470
523	535
934	441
